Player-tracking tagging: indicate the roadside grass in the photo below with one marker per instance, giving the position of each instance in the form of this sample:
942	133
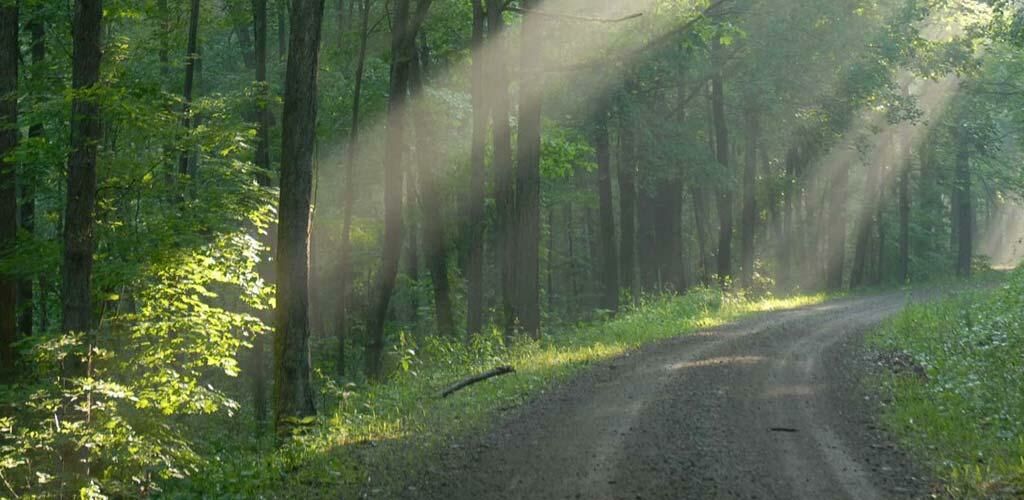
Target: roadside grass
370	438
966	418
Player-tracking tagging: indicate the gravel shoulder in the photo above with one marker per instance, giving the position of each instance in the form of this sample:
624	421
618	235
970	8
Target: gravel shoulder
770	407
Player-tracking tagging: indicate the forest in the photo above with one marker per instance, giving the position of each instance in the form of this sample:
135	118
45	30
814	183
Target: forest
245	244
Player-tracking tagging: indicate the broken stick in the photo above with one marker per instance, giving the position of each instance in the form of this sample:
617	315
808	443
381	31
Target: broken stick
501	370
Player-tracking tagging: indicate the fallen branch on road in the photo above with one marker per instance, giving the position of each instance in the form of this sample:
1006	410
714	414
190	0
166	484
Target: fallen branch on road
501	370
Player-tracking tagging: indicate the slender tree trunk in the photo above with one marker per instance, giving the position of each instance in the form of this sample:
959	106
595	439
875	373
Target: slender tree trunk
293	390
282	29
571	236
879	214
475	209
263	170
836	232
191	58
722	155
904	265
9	49
749	199
434	242
700	216
504	169
86	132
345	261
28	190
627	207
531	89
962	189
609	260
403	38
412	237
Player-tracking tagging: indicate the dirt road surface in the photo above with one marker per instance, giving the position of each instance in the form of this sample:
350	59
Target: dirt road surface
771	407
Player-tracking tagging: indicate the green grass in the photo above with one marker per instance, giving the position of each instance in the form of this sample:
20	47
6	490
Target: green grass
966	420
370	437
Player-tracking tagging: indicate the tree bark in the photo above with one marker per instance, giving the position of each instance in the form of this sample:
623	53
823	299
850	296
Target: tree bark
434	242
504	169
475	209
293	390
609	260
668	234
403	38
528	173
647	242
627	207
263	170
962	190
26	296
904	264
722	155
184	168
345	260
9	50
86	132
749	199
836	232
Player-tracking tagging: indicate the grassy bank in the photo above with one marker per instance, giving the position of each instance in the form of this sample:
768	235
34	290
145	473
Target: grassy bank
960	405
370	437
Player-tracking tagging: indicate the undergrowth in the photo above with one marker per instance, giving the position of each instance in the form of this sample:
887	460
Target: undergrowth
965	417
370	437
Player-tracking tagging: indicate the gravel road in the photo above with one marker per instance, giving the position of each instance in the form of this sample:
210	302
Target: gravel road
770	407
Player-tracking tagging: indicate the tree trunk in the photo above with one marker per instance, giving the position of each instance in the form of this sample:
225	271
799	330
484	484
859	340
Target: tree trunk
749	199
9	50
86	132
836	232
504	169
962	190
722	155
345	272
531	89
668	235
190	71
434	242
403	38
647	243
28	189
263	170
627	207
609	259
411	234
700	216
282	29
293	390
904	265
474	235
571	236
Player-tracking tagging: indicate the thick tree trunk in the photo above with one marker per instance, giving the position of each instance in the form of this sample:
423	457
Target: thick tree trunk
963	213
431	204
668	235
609	259
9	49
293	390
836	232
504	169
531	89
345	272
627	207
647	240
191	57
474	223
749	200
722	155
904	264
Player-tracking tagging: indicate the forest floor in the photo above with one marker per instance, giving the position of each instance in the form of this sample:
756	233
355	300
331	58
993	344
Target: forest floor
769	407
